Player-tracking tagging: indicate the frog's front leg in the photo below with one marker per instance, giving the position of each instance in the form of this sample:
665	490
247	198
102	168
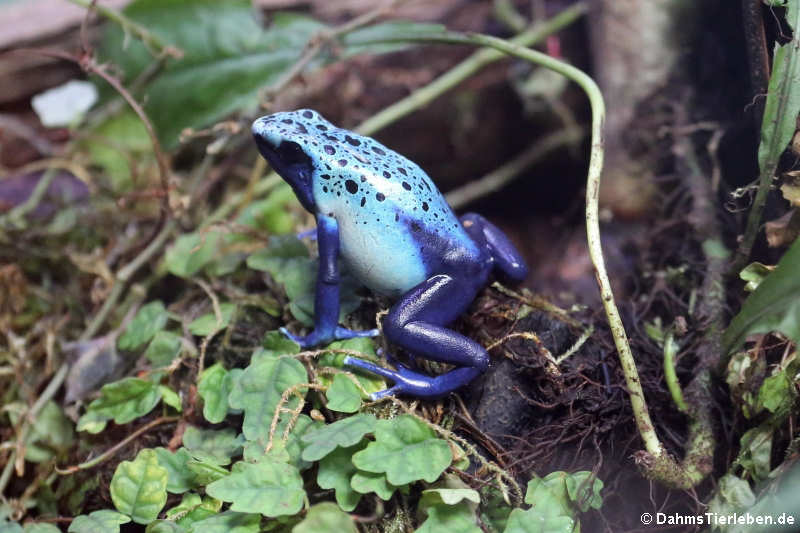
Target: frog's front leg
416	323
326	299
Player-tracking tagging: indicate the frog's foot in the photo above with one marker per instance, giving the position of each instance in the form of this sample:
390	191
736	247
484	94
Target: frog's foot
406	381
317	337
416	323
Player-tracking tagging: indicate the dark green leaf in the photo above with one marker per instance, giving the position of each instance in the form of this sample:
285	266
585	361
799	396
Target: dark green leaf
335	471
406	450
214	388
139	487
366	482
126	400
215	446
210	323
163	349
149	320
773	306
325	517
343	395
259	389
164	526
228	522
459	518
343	433
179	478
269	487
193	251
98	522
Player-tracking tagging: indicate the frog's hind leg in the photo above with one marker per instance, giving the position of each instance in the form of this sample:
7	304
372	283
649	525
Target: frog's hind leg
507	258
417	323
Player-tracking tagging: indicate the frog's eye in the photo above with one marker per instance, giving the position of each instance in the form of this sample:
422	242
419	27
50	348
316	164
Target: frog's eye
291	153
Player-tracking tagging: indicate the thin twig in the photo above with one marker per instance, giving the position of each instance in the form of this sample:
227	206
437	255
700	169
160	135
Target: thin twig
502	176
109	453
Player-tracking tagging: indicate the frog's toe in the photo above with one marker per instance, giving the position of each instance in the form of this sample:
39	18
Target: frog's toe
344	333
406	381
306	341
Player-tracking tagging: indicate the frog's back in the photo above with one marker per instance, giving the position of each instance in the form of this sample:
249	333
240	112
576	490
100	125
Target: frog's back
396	228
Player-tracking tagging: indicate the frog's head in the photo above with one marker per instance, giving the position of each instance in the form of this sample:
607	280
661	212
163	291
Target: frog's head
282	140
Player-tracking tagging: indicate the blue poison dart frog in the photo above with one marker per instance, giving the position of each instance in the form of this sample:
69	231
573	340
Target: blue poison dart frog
396	233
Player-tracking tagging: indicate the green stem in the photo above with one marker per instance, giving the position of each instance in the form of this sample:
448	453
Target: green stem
152	41
425	95
674	386
500	177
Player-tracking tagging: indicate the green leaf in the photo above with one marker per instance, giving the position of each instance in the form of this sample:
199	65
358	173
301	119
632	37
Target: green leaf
754	274
272	214
583	489
227	58
269	487
258	391
126	400
214	388
41	527
459	518
773	306
287	261
342	433
164	348
215	446
279	256
446	496
51	433
366	482
276	343
179	478
783	99
755	451
92	422
325	517
170	397
532	521
121	146
193	251
193	508
9	527
149	320
406	450
164	526
98	522
228	522
335	471
290	450
139	487
387	36
205	472
210	323
733	494
777	393
343	395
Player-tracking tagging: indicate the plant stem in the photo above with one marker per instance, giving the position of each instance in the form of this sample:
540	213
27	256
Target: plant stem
150	40
500	177
425	95
674	386
115	448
